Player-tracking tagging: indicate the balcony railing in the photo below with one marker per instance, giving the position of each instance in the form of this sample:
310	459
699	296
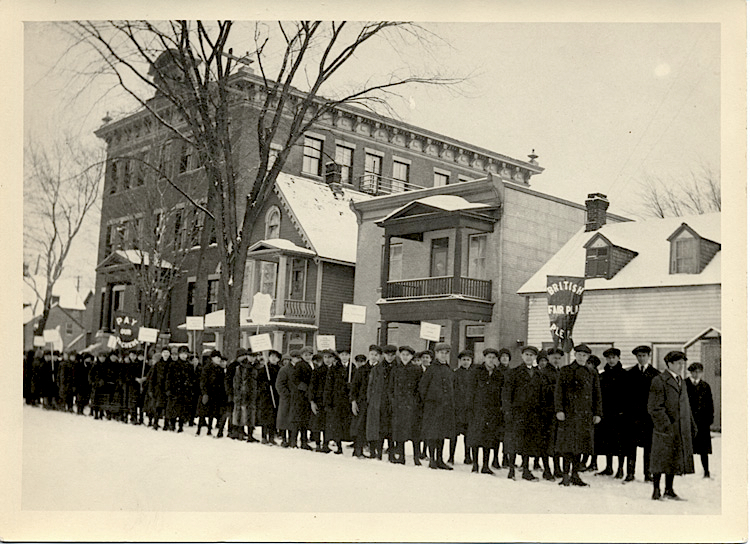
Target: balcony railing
296	309
440	286
375	184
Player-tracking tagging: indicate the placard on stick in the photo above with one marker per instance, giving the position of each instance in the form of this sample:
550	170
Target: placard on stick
147	335
112	342
194	323
50	335
261	342
39	341
353	313
429	331
326	341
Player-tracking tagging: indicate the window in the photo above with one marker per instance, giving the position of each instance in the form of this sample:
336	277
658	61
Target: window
186	158
127	167
344	158
199	219
164	164
273	222
69	329
297	279
395	265
212	302
311	159
135	233
597	259
400	176
441	179
140	169
108	245
113	177
684	254
180	229
190	311
439	257
268	278
477	256
373	168
461	179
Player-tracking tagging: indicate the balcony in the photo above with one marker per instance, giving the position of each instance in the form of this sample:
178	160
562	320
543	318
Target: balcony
440	286
375	184
297	310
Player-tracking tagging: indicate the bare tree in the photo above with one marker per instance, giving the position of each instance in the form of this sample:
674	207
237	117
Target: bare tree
61	186
697	194
190	68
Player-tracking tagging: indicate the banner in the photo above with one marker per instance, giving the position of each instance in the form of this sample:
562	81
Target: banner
564	295
126	330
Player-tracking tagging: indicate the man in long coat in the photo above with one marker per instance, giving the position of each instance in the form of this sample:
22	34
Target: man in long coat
157	387
403	389
379	405
578	407
315	396
299	411
213	397
267	401
638	425
702	405
523	395
462	379
439	411
549	364
244	393
283	387
485	410
358	397
669	408
608	438
179	389
336	401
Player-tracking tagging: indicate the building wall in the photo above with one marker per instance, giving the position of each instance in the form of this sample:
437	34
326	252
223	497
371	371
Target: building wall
337	289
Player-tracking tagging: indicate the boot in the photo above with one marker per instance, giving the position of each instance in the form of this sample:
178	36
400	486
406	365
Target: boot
527	475
565	480
468	458
547	475
512	473
575	479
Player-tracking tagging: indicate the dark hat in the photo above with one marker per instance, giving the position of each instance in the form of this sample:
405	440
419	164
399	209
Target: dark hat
487	351
345	350
183	349
426	352
641	349
360	358
295	353
506	351
241	352
442	346
673	356
215	353
165	348
390	348
611	352
594	361
407	348
307	349
317	357
557	351
274	352
695	367
375	347
582	347
466	353
327	352
542	355
532	349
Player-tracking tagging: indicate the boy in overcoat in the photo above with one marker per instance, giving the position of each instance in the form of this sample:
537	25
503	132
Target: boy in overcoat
638	425
403	389
283	388
82	386
578	407
439	410
669	408
213	393
508	461
268	397
157	387
66	381
379	405
608	437
178	386
315	396
462	378
358	397
548	362
702	405
336	401
244	393
485	410
300	405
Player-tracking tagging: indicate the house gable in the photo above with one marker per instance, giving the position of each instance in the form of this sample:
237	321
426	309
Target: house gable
689	252
605	259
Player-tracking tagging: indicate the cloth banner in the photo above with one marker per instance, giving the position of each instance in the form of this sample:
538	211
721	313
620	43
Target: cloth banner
564	296
126	330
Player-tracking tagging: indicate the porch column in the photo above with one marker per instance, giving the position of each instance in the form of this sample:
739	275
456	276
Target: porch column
383	338
455	341
385	271
281	286
277	338
107	308
457	244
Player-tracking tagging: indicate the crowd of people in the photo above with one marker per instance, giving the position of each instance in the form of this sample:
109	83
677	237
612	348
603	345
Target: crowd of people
561	416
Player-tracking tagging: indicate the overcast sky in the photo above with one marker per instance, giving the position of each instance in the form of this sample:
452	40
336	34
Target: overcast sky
603	105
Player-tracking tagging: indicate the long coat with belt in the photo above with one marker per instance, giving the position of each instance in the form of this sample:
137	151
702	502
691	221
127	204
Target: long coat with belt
266	386
244	393
315	394
549	421
336	402
299	382
358	393
608	434
404	392
672	441
523	395
485	408
702	405
578	396
462	383
283	388
638	425
378	402
438	403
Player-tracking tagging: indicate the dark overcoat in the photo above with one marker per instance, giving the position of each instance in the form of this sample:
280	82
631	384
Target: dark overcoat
299	383
578	396
212	389
129	385
66	380
315	394
702	405
378	402
358	393
462	381
404	396
638	425
244	393
82	386
283	388
523	394
179	390
158	382
265	411
336	402
111	395
672	441
438	403
549	421
608	433
485	414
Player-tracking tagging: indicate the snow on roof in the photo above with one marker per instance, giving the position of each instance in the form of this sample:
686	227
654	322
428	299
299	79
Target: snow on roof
280	243
448	203
650	268
325	221
65	288
136	256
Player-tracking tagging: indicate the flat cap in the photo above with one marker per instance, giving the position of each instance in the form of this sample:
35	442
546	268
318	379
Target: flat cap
442	346
466	353
375	347
542	355
487	351
506	351
532	349
407	348
557	351
641	349
214	353
582	347
426	352
306	349
390	348
611	352
183	349
295	353
673	356
695	367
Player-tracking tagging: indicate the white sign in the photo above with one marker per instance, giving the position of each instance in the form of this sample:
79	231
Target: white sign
326	341
194	323
112	342
50	335
353	313
148	335
429	331
39	341
260	342
260	312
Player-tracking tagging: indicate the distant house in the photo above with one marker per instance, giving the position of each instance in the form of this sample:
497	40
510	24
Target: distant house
68	312
655	282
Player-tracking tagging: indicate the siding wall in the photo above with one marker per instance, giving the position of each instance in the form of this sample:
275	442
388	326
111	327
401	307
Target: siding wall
337	288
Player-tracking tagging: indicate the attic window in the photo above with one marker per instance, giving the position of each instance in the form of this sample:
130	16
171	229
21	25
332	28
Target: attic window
684	254
273	222
598	259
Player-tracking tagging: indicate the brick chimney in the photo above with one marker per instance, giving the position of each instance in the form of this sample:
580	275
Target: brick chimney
333	178
596	211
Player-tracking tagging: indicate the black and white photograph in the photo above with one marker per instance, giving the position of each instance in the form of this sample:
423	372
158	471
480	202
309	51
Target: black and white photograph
451	275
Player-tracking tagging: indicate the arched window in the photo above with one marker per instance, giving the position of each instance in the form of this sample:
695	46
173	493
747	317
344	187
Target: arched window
273	222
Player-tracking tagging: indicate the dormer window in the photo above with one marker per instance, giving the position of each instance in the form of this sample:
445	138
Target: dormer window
597	259
689	252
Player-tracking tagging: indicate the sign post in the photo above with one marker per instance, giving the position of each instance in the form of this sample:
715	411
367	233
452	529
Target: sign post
429	331
326	341
353	313
147	336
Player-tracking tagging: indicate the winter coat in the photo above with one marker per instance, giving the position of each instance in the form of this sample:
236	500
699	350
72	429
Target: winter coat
299	383
95	379
82	386
638	425
336	402
439	410
129	385
608	433
702	405
358	393
403	389
178	386
157	385
672	439
578	396
265	412
213	391
549	421
315	392
283	387
37	377
245	394
523	397
462	382
66	381
113	386
378	402
485	413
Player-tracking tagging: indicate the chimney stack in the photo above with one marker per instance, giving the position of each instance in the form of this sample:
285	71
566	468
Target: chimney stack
333	178
596	211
